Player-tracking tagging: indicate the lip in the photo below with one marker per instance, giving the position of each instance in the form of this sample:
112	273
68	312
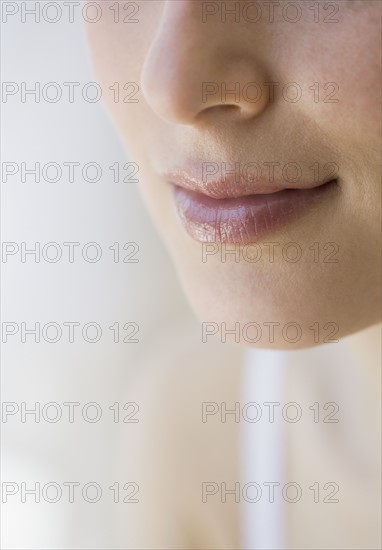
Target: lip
233	184
238	211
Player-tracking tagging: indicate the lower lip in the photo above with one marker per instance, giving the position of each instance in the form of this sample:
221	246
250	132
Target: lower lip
244	219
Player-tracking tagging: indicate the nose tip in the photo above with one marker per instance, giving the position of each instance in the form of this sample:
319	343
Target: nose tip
181	93
190	71
170	88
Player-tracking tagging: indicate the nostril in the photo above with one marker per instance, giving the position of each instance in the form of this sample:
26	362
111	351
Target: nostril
227	112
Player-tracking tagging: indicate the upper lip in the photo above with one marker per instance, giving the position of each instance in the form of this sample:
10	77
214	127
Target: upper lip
232	185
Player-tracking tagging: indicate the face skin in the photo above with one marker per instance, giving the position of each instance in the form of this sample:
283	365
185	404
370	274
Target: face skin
333	289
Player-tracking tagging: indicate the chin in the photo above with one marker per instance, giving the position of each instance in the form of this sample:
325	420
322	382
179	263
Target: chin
271	311
278	330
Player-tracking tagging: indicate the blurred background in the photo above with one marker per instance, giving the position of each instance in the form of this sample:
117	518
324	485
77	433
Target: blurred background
104	292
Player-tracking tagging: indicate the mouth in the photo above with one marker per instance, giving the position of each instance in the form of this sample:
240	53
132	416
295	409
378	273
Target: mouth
239	211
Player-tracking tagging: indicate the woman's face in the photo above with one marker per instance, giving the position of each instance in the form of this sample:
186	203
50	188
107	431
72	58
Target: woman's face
256	129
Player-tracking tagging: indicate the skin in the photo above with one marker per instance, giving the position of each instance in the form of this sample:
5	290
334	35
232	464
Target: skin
169	53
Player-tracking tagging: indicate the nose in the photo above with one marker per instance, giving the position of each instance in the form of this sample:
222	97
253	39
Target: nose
195	66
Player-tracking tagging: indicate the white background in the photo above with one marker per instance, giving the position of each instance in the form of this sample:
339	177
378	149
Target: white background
105	292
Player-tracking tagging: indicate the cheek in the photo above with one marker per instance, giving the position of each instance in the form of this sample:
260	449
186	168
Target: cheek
339	68
355	117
